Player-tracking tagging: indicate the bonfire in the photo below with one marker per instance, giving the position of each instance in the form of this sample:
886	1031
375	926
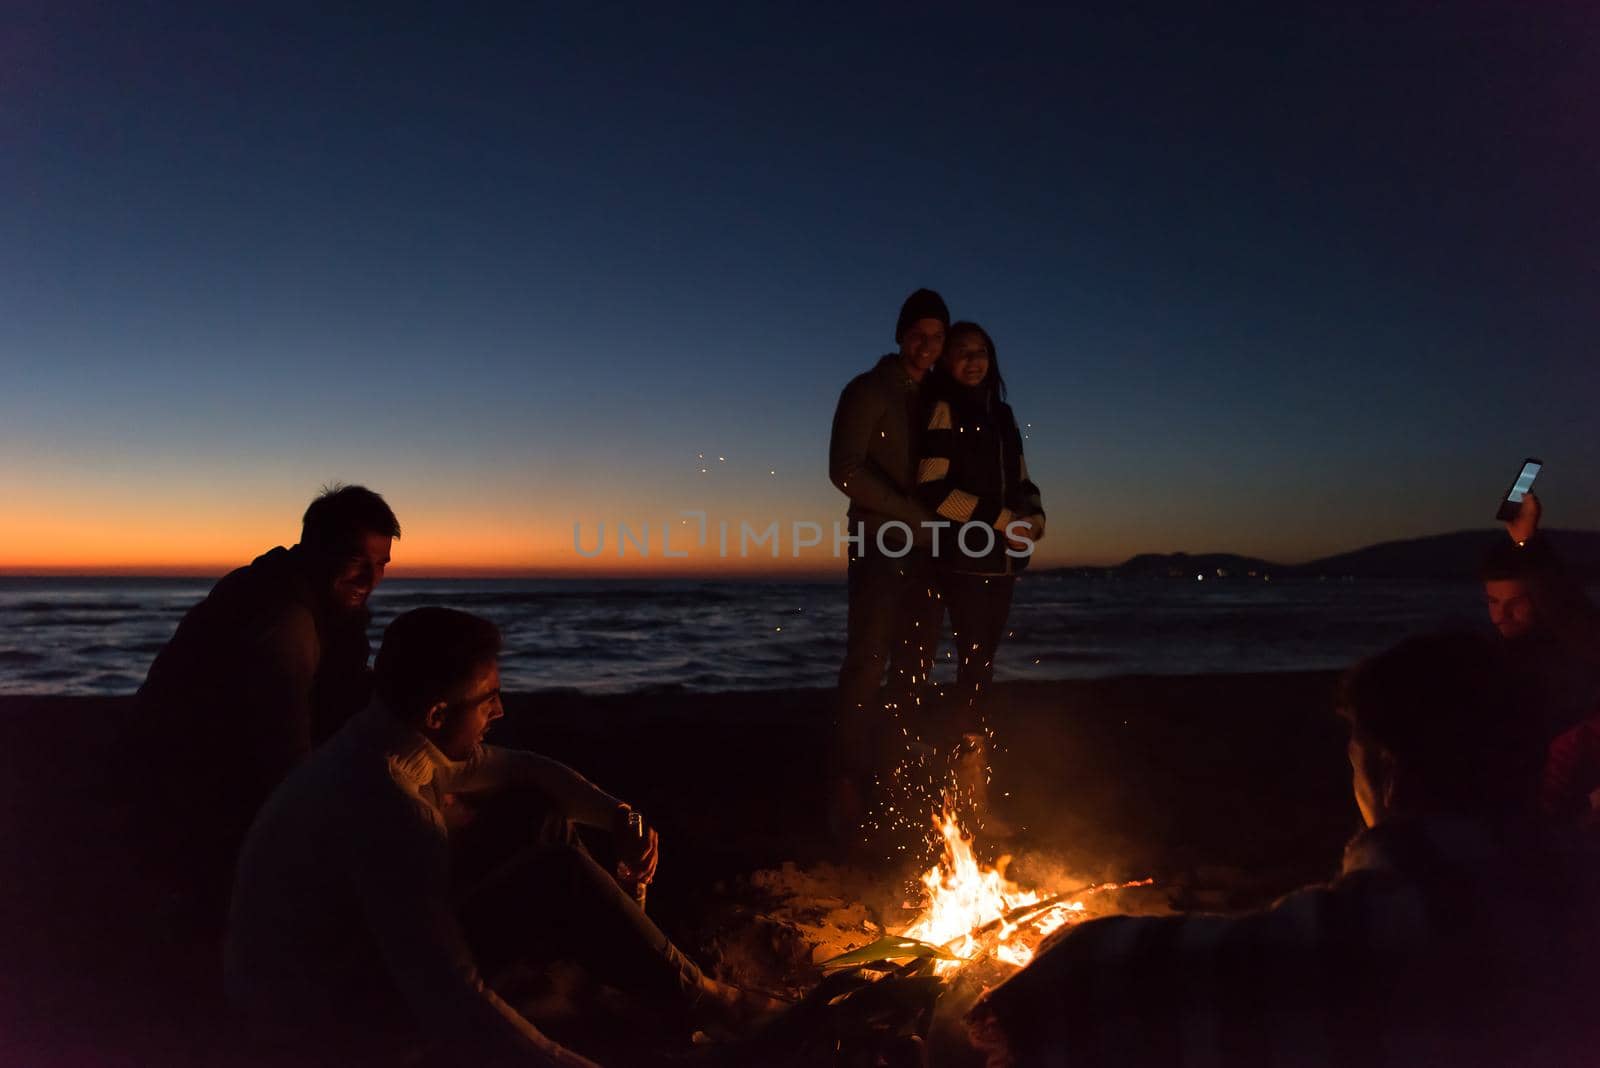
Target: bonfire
905	993
971	912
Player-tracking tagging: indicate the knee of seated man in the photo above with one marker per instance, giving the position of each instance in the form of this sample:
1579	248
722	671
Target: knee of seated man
504	825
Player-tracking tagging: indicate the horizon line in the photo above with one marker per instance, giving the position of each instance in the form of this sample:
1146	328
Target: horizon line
801	573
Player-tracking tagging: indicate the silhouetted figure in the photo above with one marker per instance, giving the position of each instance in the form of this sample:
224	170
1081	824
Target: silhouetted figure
972	474
1569	793
1455	933
1551	631
269	664
894	611
1550	628
350	934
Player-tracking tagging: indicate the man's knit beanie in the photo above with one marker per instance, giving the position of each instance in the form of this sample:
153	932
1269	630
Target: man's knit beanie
923	304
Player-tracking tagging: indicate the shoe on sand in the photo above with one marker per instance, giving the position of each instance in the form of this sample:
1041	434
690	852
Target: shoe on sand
734	1008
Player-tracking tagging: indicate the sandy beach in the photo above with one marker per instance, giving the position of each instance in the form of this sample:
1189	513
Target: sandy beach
1226	789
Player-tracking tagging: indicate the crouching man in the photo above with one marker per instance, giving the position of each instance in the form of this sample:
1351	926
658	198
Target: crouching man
347	916
1455	934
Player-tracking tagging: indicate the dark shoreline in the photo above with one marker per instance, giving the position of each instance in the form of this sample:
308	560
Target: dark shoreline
1228	789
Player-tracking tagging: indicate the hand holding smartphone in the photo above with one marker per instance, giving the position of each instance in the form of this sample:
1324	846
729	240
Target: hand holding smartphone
1519	489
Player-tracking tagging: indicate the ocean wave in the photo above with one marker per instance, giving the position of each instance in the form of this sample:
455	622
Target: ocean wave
535	598
113	682
1062	656
74	605
575	656
587	636
49	674
122	649
71	619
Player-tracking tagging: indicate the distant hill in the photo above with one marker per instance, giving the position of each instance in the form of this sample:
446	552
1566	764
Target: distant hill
1439	556
1444	556
1187	565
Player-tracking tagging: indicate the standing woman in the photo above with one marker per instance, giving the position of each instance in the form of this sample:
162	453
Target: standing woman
972	472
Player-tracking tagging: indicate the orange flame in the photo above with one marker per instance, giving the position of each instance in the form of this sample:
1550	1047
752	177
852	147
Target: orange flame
967	904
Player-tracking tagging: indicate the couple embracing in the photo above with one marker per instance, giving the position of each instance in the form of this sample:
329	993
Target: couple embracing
930	455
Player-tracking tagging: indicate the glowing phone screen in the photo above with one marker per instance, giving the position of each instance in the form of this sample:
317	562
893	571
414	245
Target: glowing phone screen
1523	484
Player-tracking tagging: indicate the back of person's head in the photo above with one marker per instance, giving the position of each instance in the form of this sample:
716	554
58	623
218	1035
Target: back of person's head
1447	711
427	654
342	515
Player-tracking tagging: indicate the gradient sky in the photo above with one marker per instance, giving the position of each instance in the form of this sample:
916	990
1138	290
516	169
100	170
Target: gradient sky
1282	283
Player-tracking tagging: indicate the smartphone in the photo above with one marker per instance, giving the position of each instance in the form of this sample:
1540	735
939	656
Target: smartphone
1519	489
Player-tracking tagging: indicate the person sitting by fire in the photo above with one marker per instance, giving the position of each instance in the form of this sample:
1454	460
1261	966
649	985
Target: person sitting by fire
349	913
1553	629
1457	932
270	663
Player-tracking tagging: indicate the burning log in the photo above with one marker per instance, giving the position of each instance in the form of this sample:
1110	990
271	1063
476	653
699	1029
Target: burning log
971	912
911	983
1022	915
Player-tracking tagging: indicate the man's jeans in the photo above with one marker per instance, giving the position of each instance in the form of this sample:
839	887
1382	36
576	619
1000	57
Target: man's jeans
894	619
544	898
526	892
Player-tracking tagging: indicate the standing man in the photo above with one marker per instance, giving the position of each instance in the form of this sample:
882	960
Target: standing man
272	662
894	608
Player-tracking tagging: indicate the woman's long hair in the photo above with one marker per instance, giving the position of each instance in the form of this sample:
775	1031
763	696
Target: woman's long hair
993	382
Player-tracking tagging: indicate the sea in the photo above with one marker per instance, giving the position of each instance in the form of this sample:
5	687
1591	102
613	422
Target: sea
98	635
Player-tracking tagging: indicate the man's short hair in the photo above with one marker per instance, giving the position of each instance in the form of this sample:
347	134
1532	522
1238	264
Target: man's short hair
429	652
1508	560
341	515
1448	710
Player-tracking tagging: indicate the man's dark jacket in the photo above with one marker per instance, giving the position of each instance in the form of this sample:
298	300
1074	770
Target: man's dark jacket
256	675
872	453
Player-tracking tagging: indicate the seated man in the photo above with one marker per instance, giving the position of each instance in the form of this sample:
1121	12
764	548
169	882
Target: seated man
269	664
1452	935
346	917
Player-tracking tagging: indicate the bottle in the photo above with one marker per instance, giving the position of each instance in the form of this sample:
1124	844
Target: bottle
636	829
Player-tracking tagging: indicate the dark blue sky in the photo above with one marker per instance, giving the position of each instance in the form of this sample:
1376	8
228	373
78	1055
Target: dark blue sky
1284	281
